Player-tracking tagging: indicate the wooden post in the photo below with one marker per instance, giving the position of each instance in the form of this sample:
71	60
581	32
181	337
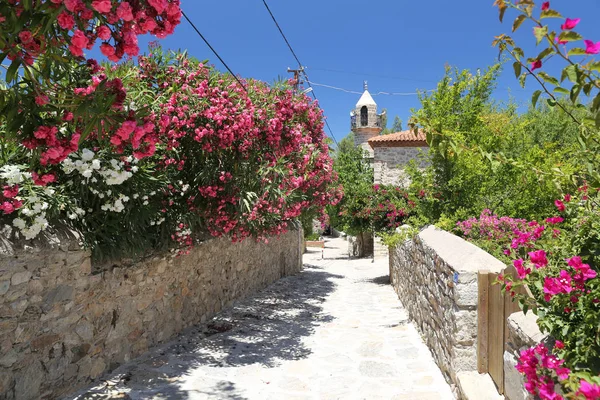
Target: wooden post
482	321
497	322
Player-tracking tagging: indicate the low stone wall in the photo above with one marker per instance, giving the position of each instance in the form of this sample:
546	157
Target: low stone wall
523	333
63	325
435	276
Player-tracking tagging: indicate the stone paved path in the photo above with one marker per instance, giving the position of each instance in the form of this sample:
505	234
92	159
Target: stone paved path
335	331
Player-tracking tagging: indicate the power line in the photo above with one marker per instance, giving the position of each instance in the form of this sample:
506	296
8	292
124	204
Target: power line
373	94
214	51
282	34
299	65
373	75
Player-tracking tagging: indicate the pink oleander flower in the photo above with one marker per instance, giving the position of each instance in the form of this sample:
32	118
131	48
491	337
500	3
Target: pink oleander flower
591	47
559	205
570	24
545	6
41	100
102	6
537	64
103	32
538	258
66	20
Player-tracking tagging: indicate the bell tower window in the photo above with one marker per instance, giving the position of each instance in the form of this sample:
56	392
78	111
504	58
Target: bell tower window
364	116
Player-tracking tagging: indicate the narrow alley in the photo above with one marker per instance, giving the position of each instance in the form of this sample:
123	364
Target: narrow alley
335	331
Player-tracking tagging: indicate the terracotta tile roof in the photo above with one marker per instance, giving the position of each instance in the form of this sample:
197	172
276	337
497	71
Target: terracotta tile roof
399	139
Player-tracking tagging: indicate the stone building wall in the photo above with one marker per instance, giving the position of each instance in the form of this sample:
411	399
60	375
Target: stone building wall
361	139
63	324
389	163
435	276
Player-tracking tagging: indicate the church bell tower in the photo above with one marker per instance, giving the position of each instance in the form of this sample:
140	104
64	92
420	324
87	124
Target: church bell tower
364	121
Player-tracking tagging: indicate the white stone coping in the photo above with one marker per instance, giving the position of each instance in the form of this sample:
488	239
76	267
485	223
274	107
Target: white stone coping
458	253
525	327
475	386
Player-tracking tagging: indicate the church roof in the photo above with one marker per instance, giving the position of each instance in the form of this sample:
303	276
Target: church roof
366	100
399	139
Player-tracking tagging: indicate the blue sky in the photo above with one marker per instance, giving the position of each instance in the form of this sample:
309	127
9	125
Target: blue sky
397	45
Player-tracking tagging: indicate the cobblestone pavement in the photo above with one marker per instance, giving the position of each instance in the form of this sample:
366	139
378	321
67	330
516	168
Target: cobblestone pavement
335	331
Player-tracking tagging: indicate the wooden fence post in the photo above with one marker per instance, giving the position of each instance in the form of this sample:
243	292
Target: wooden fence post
482	321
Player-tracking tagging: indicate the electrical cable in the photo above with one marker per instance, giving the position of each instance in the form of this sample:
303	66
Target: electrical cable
214	51
299	64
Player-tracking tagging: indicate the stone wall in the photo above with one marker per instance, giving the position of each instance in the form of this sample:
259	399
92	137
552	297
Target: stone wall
523	332
389	163
435	276
63	324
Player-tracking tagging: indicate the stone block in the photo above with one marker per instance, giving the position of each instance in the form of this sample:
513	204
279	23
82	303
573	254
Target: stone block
4	285
20	277
513	380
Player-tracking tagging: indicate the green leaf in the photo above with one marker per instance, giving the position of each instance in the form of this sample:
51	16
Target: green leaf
517	68
577	52
12	71
575	90
551	102
518	21
597	119
561	90
569	36
548	78
550	14
571	73
540	33
535	97
544	53
522	80
518	52
595	66
596	103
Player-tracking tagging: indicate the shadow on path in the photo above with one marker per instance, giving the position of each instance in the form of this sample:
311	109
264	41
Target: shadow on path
261	330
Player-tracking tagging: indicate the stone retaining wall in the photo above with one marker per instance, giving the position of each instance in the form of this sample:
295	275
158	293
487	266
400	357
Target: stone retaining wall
523	333
63	325
435	276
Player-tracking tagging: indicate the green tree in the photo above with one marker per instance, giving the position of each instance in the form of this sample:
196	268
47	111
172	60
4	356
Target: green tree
397	126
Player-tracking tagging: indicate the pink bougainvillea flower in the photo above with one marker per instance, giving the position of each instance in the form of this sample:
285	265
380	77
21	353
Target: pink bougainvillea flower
591	47
570	24
554	220
559	345
557	40
538	258
536	65
545	6
560	285
559	205
521	270
589	390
